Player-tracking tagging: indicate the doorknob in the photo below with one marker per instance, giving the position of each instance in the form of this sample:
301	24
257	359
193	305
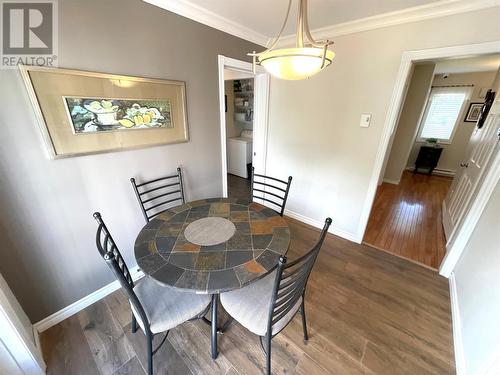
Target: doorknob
464	165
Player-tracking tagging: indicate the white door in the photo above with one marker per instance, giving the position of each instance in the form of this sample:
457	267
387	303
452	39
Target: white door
483	144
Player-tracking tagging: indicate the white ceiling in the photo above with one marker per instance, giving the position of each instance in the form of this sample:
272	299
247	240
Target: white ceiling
260	20
483	63
266	16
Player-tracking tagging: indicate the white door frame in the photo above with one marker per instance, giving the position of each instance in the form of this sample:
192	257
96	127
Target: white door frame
16	335
260	119
457	245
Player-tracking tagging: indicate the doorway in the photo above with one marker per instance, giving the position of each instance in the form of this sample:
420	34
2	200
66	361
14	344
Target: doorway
429	151
243	98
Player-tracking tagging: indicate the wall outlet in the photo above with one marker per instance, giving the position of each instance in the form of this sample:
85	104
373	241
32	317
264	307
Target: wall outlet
365	120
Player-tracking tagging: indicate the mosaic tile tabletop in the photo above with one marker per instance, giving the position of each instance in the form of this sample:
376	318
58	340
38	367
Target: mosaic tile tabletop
251	251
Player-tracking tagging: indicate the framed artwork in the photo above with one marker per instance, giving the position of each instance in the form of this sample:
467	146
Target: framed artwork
474	112
81	113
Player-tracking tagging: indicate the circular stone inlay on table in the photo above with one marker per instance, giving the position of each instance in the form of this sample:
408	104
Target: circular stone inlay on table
209	231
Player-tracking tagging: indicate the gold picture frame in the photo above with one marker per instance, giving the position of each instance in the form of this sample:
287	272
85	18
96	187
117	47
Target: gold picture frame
83	113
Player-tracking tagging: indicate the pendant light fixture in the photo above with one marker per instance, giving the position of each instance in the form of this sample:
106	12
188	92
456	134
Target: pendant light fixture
305	60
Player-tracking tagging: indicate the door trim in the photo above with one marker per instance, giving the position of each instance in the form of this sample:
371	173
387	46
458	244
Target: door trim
16	334
472	216
261	113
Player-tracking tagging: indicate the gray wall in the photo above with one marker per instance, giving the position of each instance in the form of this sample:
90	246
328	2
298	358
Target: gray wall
478	290
411	112
48	255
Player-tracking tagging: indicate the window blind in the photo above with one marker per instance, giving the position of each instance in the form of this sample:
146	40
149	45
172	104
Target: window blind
443	108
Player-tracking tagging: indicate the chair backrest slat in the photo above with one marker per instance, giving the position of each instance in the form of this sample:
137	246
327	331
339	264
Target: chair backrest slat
281	311
158	205
275	190
269	185
156	180
109	252
271	178
154	199
158	188
162	195
268	192
291	281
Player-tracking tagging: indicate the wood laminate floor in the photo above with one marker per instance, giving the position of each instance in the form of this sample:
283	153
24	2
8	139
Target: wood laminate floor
368	313
406	219
238	187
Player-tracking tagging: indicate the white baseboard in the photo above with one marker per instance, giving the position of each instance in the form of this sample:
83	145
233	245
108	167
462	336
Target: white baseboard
391	181
457	327
437	172
319	224
79	305
99	294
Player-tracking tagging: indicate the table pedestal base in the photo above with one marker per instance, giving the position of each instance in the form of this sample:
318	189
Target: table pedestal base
213	324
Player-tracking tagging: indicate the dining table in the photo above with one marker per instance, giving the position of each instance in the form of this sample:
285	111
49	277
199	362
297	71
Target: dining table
211	246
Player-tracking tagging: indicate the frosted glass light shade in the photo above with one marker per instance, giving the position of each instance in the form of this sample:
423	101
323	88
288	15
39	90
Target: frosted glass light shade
295	63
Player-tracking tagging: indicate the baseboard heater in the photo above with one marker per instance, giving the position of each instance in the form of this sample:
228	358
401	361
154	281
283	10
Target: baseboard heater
438	172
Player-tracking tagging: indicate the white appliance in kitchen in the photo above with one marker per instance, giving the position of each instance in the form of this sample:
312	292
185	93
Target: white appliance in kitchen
239	153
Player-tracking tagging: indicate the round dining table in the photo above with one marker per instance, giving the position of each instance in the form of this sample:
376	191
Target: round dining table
212	246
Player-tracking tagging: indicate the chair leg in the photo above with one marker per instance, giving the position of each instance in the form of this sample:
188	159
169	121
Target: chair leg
134	324
214	325
268	355
304	324
149	338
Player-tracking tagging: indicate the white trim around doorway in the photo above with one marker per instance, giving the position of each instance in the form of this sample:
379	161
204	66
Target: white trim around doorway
260	119
455	248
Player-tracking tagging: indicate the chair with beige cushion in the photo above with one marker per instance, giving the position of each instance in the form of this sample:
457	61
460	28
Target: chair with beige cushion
155	307
266	306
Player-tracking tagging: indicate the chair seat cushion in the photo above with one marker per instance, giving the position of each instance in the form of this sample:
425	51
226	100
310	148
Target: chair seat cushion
250	306
167	307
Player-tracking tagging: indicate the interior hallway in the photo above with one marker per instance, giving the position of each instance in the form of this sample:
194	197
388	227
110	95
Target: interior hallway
406	219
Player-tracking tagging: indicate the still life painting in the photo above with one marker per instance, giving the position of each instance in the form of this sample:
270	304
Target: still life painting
83	113
90	115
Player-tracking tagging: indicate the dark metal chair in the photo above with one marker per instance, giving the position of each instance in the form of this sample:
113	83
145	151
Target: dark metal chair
265	307
158	195
271	187
156	308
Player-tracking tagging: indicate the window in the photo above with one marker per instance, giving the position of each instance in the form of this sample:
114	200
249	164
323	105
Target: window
442	112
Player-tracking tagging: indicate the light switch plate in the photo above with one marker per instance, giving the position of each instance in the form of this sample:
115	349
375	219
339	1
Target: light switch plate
365	120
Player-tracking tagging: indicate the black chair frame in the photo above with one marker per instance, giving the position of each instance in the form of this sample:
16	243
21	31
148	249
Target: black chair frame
110	253
142	189
282	186
289	286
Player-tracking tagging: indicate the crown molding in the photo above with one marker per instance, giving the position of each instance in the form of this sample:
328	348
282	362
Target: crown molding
202	15
435	9
419	13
